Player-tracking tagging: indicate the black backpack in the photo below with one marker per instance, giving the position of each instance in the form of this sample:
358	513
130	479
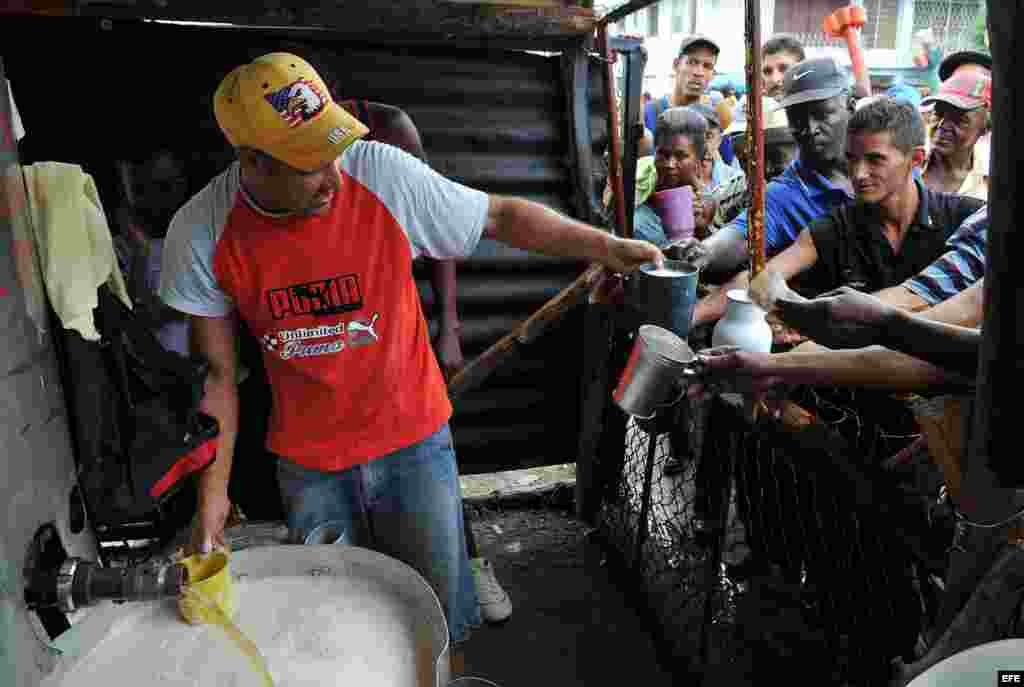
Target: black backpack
135	420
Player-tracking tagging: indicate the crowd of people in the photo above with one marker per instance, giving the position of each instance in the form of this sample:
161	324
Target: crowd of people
875	228
884	193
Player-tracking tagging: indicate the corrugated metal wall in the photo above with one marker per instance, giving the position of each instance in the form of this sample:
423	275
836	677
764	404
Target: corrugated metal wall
495	120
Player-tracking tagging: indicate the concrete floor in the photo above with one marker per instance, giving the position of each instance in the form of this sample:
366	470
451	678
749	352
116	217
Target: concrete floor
570	625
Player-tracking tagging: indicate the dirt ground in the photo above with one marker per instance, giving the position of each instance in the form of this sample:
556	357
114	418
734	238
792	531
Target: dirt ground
570	624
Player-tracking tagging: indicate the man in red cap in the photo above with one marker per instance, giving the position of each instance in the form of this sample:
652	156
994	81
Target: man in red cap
956	163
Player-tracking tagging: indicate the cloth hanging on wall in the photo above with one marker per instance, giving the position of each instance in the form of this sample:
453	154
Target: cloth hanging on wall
72	238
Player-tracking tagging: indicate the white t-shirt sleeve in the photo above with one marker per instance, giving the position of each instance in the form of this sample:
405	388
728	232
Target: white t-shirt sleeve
187	280
441	218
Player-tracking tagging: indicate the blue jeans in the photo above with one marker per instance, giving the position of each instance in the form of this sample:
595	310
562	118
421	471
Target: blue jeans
406	504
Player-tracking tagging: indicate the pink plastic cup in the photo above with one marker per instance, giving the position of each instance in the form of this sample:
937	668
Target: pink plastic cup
675	208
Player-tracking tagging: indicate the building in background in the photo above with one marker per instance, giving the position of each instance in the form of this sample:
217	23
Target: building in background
887	37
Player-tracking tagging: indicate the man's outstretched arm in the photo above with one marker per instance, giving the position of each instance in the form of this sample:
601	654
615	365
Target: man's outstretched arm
847	318
533	227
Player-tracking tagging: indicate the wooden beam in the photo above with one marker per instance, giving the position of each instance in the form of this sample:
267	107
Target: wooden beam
371	19
474	374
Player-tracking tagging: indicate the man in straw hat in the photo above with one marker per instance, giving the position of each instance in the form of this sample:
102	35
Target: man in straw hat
309	238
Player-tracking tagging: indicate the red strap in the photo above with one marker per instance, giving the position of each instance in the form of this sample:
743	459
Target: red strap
195	460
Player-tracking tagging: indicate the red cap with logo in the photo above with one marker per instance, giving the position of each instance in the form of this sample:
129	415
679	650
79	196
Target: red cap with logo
966	90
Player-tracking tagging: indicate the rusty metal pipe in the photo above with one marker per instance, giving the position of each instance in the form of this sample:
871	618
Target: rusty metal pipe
614	133
755	137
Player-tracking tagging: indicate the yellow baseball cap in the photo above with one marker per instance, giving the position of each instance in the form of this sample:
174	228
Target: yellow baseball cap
279	105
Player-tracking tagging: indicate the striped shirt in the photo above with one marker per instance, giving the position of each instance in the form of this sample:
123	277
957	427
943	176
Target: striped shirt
959	267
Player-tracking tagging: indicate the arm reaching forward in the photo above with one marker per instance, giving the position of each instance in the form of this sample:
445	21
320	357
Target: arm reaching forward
847	318
534	227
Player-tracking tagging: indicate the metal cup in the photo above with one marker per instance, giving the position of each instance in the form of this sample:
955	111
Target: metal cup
665	296
657	363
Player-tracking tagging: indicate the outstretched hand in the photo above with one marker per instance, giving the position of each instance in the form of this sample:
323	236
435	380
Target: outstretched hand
769	287
627	255
727	369
844	318
689	250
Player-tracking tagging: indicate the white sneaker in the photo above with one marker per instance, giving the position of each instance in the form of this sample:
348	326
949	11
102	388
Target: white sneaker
495	606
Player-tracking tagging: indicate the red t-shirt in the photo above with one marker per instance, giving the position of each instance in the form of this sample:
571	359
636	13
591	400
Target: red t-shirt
332	299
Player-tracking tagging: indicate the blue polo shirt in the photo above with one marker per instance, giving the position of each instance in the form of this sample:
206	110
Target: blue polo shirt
792	201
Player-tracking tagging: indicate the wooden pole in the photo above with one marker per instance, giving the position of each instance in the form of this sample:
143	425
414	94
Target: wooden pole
755	138
473	374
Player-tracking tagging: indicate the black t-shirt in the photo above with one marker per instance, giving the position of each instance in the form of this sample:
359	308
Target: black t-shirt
853	251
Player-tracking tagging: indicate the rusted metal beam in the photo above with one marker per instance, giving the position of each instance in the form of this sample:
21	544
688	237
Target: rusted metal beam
614	135
755	137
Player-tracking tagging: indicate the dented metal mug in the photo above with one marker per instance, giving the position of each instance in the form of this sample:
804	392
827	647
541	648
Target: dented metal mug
659	361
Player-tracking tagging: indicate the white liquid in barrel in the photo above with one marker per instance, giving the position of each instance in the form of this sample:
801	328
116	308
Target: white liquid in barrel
322	631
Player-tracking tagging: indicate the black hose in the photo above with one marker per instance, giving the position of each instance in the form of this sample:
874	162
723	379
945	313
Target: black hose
92	583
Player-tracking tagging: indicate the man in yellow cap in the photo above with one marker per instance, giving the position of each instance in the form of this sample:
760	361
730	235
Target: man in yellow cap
309	238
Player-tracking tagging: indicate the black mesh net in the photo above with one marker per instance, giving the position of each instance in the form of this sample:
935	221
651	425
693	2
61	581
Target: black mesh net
764	548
